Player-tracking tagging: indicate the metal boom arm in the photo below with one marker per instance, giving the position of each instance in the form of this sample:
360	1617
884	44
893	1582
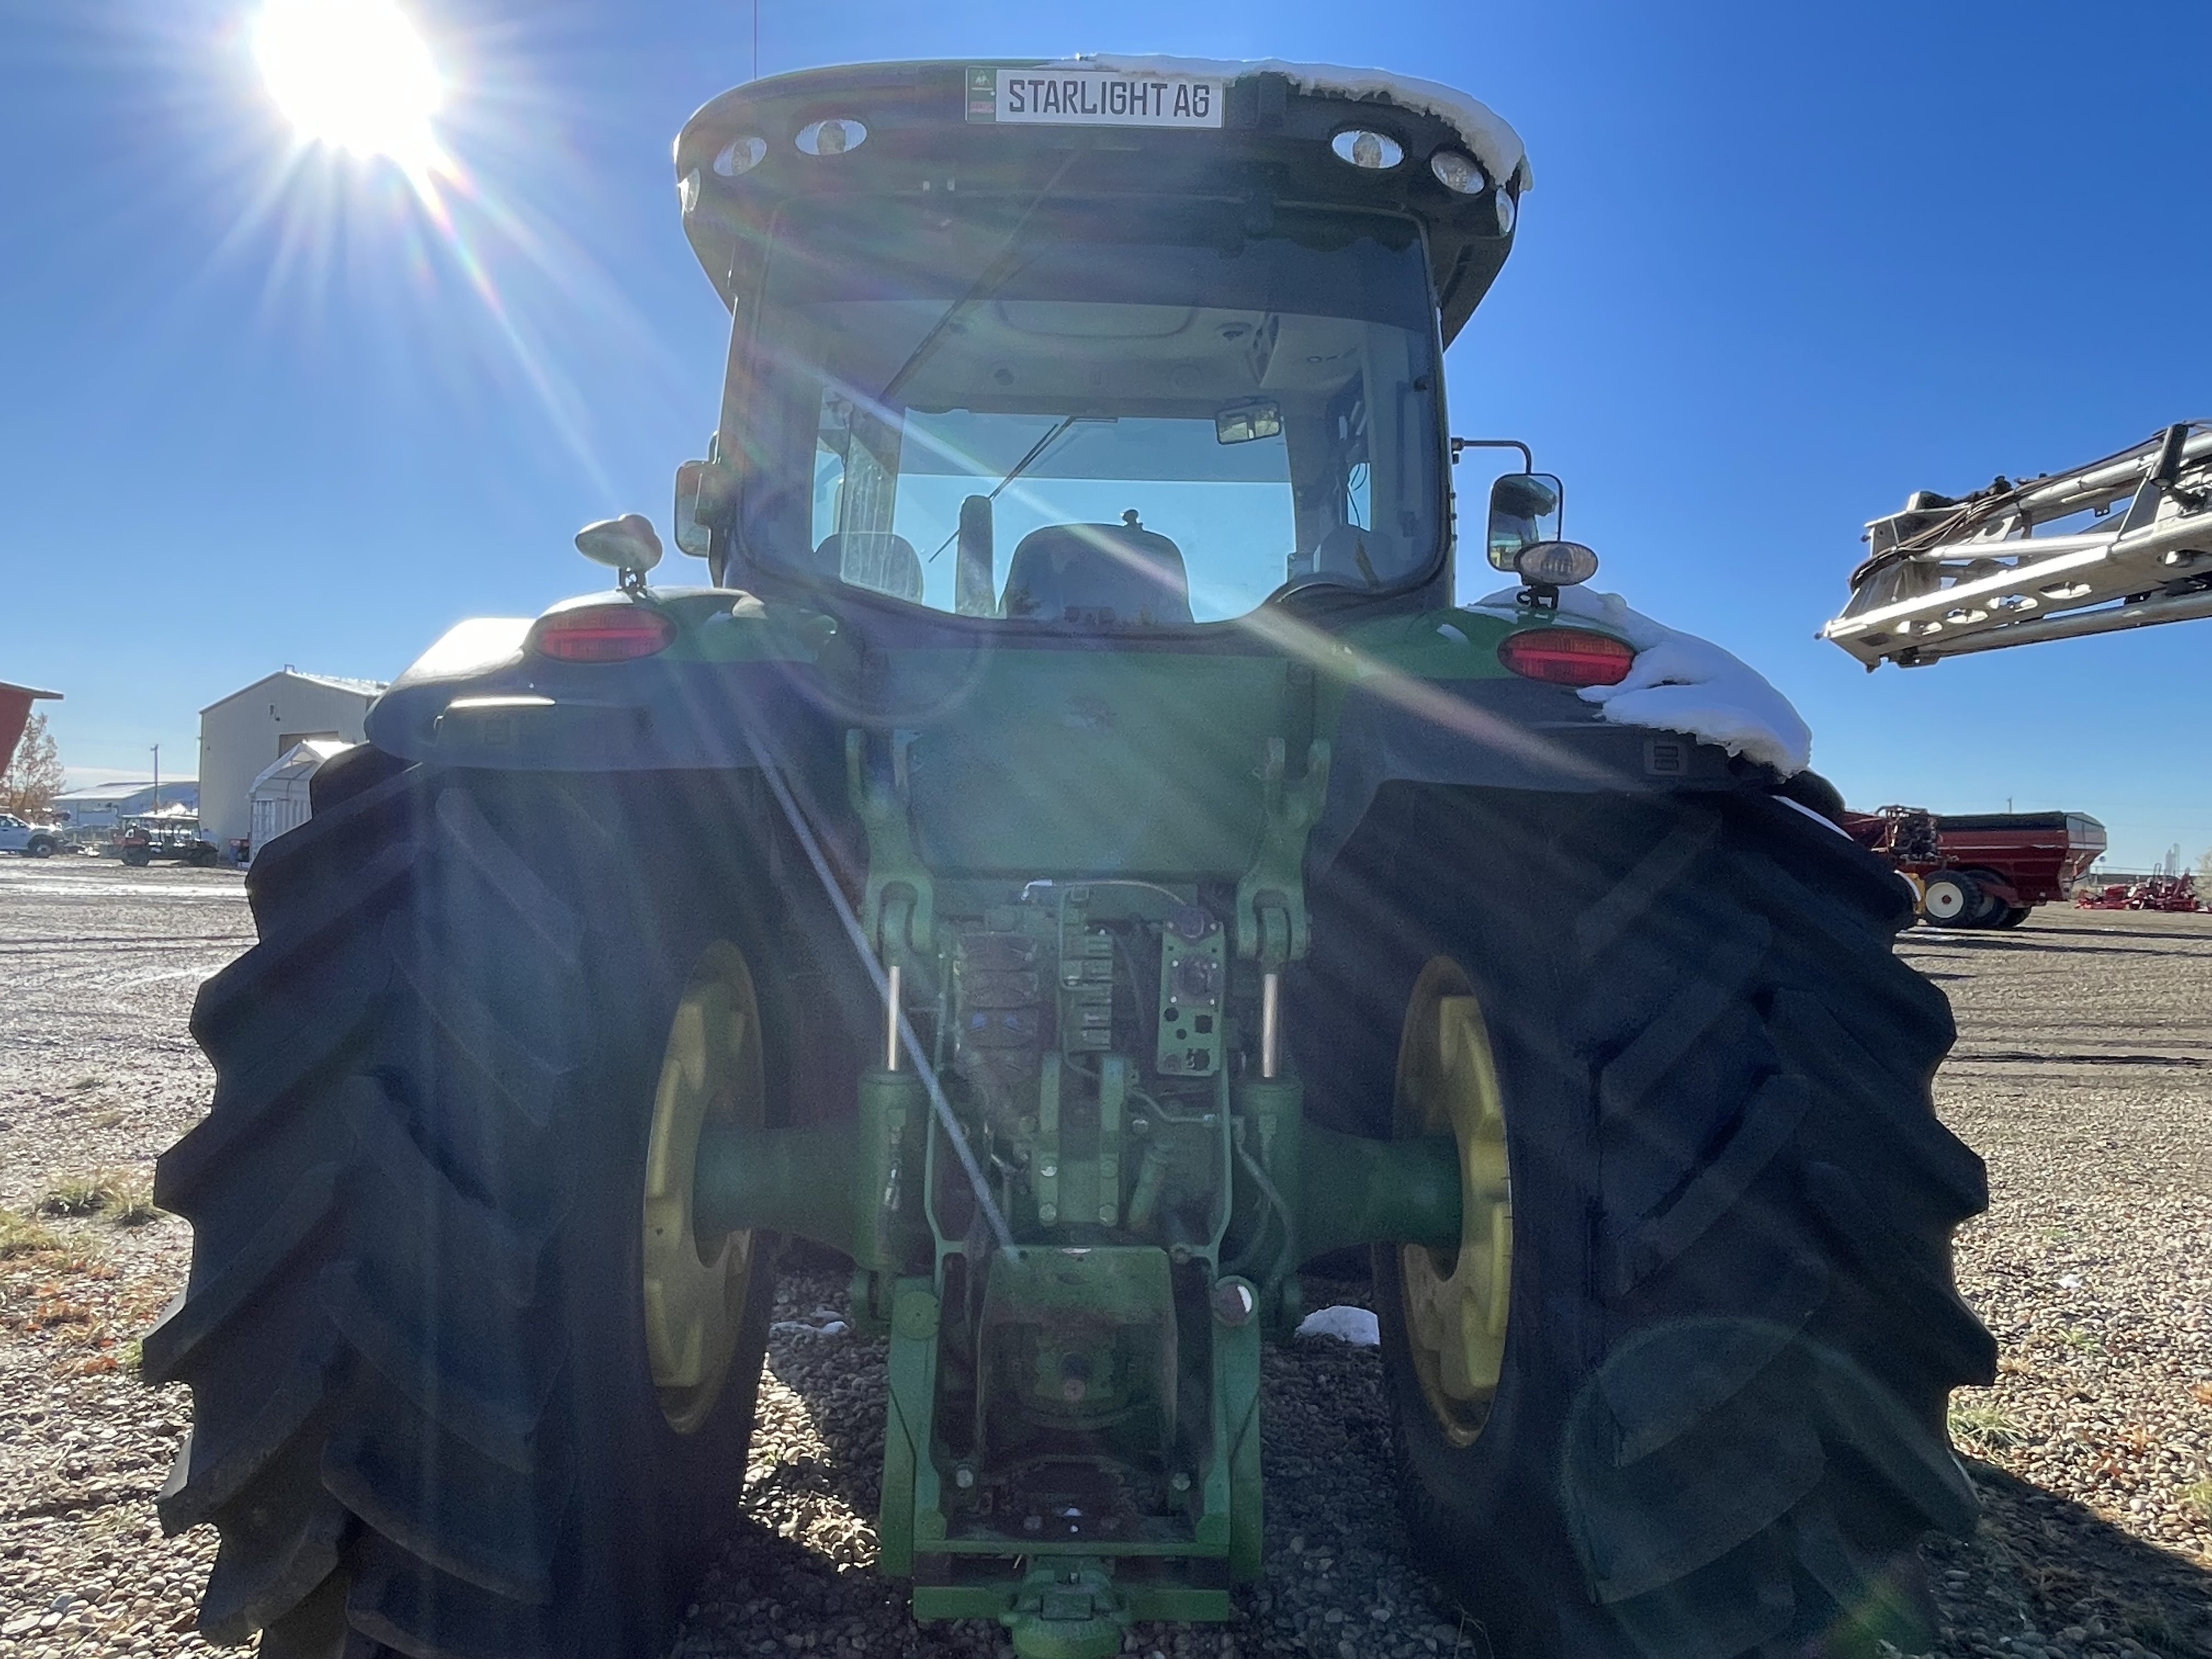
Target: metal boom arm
1947	576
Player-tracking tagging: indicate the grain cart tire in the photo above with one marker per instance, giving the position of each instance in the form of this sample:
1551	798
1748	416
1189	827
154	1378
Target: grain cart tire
1700	1412
453	1397
2015	915
1952	898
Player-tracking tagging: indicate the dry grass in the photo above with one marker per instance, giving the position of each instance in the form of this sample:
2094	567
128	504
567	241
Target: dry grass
1986	1426
79	1195
133	1204
23	1235
125	1199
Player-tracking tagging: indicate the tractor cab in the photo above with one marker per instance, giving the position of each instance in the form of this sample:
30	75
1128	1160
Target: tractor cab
1110	346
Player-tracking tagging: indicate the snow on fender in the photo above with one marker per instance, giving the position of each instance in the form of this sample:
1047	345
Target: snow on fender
1679	683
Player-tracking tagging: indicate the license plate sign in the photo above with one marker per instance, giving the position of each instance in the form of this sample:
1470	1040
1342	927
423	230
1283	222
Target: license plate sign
1093	98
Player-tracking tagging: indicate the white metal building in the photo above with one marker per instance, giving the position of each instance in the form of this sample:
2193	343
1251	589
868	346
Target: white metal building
98	805
278	800
242	736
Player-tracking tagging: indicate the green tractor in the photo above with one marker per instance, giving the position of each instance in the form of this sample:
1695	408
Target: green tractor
1076	862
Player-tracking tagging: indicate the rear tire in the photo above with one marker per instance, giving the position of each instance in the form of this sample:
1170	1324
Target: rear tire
1718	1424
41	846
426	1418
2013	916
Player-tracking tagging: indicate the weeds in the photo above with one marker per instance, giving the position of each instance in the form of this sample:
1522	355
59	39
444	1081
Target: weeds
124	1200
80	1195
2079	1340
2198	1495
1991	1426
23	1235
133	1204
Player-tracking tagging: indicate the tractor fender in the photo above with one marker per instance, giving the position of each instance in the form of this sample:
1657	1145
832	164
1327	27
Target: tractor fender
1498	733
480	698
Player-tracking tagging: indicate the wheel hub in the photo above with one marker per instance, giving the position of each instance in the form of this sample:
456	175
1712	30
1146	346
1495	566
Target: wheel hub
1457	1302
695	1288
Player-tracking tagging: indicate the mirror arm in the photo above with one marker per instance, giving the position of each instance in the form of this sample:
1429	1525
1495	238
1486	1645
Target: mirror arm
1528	456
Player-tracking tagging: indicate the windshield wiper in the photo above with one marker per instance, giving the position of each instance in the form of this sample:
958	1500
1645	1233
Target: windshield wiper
1004	265
1035	453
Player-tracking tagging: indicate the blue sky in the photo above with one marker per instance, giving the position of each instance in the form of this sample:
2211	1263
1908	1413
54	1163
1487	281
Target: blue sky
1782	265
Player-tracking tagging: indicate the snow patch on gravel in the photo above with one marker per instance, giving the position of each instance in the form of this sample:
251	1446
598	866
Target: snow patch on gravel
1354	1325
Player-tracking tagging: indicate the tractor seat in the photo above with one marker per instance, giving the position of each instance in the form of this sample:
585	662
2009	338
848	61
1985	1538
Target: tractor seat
1099	575
873	559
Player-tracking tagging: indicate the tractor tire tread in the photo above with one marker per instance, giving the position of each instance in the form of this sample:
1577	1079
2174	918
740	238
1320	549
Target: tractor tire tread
196	1314
1755	1371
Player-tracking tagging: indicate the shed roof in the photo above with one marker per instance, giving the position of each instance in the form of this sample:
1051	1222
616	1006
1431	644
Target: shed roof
31	691
335	682
94	794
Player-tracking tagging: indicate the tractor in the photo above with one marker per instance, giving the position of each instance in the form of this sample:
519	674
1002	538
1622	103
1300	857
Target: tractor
1074	859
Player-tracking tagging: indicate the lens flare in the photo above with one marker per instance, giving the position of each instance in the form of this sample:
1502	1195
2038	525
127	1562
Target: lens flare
354	75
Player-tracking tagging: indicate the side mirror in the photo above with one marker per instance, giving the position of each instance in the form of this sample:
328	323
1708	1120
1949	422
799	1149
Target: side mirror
628	543
705	493
1525	510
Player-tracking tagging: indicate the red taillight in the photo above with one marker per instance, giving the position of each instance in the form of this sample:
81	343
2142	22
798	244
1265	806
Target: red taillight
1566	656
603	633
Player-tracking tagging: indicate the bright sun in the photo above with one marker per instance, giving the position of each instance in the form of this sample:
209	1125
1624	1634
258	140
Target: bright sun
352	74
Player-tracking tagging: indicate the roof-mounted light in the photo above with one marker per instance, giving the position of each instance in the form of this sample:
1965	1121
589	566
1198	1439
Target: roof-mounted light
1377	152
1501	199
1460	174
831	137
740	155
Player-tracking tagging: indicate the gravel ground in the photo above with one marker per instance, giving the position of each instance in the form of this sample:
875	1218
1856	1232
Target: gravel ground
98	965
2084	1073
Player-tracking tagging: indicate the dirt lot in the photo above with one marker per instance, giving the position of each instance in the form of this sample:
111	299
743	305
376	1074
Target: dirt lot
2083	1072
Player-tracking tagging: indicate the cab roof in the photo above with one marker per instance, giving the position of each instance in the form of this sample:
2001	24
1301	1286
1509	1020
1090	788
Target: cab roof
1268	143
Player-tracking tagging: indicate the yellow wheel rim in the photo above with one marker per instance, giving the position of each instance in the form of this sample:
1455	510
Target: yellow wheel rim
1456	1301
694	1295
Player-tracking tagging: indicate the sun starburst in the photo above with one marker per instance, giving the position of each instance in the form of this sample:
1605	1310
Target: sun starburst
355	74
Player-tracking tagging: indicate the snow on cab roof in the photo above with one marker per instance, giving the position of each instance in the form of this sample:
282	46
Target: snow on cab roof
1493	141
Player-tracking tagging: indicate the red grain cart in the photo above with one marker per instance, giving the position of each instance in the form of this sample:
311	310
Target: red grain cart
1982	870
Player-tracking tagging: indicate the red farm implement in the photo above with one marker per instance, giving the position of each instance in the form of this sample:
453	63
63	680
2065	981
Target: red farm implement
2176	894
1984	870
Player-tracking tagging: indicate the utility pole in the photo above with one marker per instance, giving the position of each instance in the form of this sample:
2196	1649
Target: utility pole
157	777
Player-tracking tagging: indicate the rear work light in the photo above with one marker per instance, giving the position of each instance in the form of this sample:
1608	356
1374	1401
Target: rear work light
1566	656
603	633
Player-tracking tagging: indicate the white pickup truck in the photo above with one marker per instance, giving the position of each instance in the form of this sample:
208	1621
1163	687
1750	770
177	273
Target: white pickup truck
32	840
